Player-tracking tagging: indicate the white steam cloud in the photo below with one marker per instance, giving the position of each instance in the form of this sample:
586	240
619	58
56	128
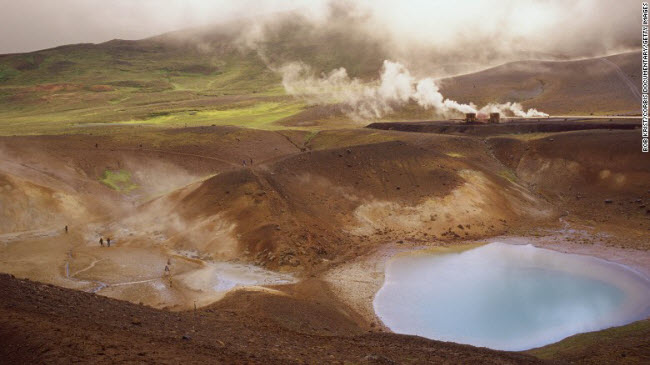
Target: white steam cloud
483	31
442	38
395	88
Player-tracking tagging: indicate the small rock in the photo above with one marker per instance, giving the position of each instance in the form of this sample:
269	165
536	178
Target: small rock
187	337
377	359
608	201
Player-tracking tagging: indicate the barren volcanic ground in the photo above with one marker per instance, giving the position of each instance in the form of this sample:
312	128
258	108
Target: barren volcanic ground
248	225
279	215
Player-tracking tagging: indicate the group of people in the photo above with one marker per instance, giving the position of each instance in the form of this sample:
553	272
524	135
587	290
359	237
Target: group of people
168	272
108	241
101	239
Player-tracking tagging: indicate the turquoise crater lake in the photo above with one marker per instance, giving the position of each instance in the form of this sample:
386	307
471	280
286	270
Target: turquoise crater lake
507	297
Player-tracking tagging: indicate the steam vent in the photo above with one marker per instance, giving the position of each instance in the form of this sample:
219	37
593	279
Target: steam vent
339	189
470	117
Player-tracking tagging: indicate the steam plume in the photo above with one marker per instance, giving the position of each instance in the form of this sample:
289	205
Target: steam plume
395	87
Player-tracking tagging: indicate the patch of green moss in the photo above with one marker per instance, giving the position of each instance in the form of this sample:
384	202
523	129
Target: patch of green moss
606	345
254	115
508	175
7	73
310	136
118	180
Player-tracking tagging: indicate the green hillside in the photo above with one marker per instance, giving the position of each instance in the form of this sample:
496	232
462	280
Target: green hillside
207	76
189	77
132	81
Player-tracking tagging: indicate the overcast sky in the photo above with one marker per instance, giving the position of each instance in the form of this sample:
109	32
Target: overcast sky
28	25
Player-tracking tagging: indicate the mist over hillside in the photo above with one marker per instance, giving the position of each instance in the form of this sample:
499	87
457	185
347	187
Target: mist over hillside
326	67
323	181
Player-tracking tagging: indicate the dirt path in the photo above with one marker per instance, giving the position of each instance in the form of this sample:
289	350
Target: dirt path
178	154
92	264
29	235
621	75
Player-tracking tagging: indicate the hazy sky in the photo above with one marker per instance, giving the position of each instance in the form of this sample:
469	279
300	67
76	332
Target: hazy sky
27	25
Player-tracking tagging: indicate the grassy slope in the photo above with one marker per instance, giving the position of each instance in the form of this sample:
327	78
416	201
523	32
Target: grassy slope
193	77
137	82
618	345
202	77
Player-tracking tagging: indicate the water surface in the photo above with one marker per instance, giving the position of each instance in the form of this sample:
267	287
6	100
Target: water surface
508	297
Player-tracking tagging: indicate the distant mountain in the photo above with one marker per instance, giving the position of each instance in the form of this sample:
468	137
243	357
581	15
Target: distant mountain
602	85
230	67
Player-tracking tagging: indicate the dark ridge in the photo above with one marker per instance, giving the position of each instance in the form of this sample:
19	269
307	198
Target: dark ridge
45	324
542	125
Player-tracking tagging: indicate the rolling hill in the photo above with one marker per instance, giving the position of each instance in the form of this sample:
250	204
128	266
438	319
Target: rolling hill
187	151
215	75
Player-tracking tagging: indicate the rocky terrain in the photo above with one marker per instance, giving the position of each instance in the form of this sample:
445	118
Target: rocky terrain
309	203
249	225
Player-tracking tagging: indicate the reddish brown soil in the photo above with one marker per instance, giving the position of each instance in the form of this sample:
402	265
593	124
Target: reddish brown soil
45	324
607	85
598	178
298	208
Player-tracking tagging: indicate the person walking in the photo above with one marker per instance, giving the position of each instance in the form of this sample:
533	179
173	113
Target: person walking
108	242
66	229
101	241
168	275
